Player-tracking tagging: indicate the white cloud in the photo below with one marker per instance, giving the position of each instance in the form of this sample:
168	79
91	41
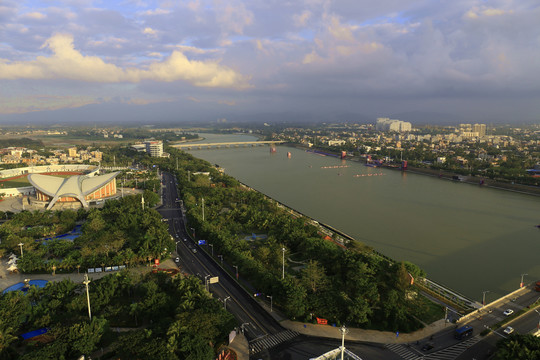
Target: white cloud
149	31
68	63
300	20
480	11
157	11
233	17
34	15
340	31
195	50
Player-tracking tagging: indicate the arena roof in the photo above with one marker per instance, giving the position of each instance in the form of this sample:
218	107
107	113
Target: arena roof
77	186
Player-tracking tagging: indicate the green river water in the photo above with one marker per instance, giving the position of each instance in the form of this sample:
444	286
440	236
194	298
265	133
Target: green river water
467	237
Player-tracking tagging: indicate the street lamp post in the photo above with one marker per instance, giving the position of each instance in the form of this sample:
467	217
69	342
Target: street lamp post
484	297
344	331
225	302
538	326
283	270
521	283
86	282
203	209
270	296
21	245
212	246
206	281
221	258
236	267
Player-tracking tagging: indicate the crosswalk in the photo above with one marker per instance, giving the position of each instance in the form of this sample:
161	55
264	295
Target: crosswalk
452	352
449	353
267	342
402	351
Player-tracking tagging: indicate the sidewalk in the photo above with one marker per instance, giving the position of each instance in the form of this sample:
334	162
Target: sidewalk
355	334
7	280
373	336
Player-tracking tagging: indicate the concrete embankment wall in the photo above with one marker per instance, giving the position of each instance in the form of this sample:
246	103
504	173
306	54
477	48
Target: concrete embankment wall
511	295
475	180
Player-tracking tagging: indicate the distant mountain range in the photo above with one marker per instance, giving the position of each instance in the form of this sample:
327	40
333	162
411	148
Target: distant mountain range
187	112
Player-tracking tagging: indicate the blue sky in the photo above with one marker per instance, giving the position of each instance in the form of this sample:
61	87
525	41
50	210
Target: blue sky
207	59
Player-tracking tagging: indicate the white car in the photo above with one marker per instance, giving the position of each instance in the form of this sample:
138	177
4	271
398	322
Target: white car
508	330
508	312
177	259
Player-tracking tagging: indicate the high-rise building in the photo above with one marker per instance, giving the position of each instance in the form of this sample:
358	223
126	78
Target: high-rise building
72	152
480	129
154	148
387	124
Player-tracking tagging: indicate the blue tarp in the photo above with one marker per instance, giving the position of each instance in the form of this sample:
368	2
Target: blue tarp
34	333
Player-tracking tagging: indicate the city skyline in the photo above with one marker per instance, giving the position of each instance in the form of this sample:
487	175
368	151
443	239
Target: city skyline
159	61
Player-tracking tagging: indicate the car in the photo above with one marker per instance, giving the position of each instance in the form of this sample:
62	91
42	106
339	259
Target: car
427	347
508	312
177	259
508	330
194	250
185	239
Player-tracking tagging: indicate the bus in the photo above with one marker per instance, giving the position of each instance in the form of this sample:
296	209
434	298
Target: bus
463	332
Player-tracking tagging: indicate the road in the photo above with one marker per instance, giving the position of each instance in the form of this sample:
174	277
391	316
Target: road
445	347
261	329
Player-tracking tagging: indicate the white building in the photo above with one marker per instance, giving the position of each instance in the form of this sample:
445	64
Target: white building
154	148
387	124
336	142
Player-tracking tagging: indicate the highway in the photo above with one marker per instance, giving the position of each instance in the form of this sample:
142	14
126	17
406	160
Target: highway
256	323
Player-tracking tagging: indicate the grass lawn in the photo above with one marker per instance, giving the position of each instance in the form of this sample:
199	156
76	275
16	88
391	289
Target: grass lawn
19	182
428	311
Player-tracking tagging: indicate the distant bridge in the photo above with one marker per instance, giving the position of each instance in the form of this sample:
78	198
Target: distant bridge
192	146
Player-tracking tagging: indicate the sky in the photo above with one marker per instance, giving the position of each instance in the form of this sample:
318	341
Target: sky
269	60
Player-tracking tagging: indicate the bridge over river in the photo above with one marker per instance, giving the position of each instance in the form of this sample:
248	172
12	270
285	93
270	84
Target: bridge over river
192	146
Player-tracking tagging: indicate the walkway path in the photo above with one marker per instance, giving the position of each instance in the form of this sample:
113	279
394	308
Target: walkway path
7	280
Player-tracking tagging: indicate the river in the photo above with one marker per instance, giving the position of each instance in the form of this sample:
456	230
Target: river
469	238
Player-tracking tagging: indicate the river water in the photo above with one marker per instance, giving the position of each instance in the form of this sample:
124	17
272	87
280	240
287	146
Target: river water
469	238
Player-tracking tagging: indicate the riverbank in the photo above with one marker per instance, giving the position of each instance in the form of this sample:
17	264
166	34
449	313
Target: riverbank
474	180
447	175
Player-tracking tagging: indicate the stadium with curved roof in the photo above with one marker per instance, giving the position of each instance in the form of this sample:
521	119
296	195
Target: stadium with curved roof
78	188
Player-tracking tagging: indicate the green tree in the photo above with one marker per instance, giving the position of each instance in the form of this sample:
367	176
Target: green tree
85	336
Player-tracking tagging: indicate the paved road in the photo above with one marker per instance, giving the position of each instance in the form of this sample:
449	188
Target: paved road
258	325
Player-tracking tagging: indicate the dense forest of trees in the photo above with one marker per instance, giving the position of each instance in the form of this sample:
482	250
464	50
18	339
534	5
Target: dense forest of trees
134	316
119	233
518	347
